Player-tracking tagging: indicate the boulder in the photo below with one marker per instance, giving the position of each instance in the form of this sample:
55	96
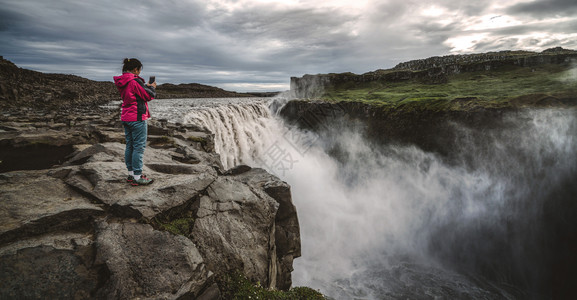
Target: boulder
103	175
250	214
287	230
235	224
149	264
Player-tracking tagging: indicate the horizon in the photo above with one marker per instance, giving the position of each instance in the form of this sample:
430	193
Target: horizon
281	91
257	45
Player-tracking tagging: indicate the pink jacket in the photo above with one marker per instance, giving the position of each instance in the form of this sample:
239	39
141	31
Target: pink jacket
135	96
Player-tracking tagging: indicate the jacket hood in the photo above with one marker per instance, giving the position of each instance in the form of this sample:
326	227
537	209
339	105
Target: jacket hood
124	79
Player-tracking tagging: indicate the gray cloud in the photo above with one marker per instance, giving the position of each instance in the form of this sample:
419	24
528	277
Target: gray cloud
559	27
256	45
545	8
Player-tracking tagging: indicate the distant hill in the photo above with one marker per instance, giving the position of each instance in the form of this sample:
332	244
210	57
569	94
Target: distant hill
26	88
196	90
496	79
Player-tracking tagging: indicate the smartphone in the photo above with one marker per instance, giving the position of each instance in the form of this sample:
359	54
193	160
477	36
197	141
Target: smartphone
151	79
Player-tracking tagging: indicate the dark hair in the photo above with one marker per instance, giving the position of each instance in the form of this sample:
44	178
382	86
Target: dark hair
130	64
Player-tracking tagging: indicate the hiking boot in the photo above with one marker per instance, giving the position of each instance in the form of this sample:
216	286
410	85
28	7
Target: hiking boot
142	181
130	178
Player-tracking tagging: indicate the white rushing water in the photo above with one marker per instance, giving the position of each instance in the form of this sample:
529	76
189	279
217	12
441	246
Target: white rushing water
397	222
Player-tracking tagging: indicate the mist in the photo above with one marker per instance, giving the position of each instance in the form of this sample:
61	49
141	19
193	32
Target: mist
384	221
403	209
569	76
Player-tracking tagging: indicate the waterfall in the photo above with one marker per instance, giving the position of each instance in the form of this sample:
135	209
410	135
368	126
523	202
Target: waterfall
240	129
390	222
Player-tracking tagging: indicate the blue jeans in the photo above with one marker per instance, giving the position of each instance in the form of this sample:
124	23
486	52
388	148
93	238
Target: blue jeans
135	133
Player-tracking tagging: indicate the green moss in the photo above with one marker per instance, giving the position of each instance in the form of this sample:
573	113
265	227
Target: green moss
494	88
180	226
238	287
161	141
165	140
196	139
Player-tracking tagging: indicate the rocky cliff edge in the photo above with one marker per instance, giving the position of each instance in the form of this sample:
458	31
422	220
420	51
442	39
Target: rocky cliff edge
73	228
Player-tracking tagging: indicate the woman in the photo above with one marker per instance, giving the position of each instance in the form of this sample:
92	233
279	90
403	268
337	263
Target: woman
135	96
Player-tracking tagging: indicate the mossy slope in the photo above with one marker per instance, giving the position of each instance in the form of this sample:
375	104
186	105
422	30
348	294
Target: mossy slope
456	82
506	87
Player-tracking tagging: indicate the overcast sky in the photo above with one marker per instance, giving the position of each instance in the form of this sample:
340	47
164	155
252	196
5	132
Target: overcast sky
257	45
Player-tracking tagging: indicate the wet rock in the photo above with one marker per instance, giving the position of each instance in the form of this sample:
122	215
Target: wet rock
428	129
240	169
193	153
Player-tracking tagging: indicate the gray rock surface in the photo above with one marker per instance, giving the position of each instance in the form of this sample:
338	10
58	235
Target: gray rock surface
75	229
287	230
235	223
173	269
34	203
103	176
45	271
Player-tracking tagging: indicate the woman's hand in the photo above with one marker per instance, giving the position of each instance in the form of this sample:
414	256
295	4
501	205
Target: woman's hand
152	84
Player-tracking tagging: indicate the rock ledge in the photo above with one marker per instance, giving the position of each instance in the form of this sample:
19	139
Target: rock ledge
74	229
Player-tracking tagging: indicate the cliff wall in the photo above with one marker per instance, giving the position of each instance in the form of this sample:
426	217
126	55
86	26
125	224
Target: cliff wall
453	63
431	70
430	130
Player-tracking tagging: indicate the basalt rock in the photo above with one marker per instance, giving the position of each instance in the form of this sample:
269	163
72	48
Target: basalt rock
74	228
486	61
147	263
235	224
430	130
286	230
